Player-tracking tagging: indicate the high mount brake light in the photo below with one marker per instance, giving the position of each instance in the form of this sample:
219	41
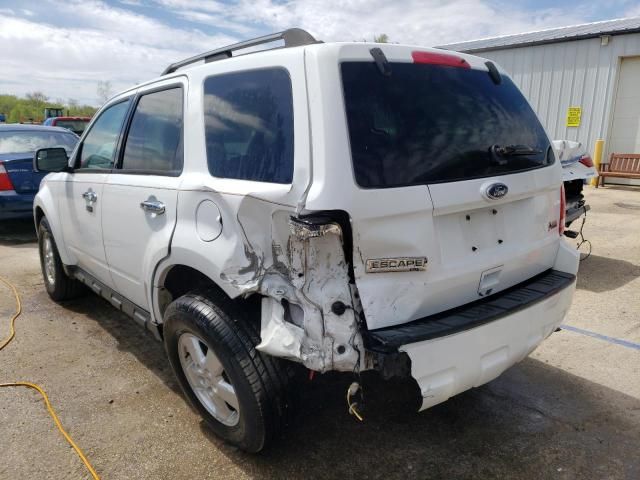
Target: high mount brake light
563	211
444	59
5	181
586	161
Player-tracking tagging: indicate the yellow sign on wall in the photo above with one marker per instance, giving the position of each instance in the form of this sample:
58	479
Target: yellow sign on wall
573	116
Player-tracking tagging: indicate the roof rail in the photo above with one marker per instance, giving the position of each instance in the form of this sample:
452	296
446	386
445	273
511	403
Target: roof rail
293	37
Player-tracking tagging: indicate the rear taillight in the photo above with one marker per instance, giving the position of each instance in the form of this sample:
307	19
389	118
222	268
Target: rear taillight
439	59
5	181
586	161
563	211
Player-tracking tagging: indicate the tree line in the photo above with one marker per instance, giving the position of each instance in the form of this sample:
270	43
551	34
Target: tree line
31	107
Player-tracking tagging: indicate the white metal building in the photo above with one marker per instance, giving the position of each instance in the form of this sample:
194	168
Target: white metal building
594	69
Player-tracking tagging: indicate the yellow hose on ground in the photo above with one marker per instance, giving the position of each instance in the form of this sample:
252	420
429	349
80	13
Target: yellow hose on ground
12	329
5	342
353	406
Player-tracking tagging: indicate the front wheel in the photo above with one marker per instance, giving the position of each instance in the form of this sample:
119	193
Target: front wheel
242	393
58	284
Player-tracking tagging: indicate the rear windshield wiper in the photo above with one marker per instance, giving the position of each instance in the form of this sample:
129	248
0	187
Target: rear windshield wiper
513	150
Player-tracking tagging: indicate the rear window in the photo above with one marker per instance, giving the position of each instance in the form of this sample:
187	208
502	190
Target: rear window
28	142
432	123
249	125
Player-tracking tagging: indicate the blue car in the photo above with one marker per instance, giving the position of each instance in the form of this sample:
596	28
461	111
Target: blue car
18	182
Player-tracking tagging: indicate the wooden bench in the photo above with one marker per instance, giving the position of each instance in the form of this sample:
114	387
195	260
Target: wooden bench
621	165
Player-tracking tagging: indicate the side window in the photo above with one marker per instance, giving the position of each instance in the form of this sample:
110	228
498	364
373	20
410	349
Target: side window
249	125
99	145
154	142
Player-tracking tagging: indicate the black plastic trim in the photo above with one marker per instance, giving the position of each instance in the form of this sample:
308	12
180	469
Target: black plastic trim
142	171
138	314
496	78
471	315
92	170
381	61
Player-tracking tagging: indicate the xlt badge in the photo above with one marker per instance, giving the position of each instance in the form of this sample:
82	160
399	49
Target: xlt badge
399	264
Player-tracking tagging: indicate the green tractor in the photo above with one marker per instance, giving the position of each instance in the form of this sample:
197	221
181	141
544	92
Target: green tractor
50	112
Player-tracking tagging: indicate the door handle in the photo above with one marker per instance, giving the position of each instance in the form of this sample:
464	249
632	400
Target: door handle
90	196
153	206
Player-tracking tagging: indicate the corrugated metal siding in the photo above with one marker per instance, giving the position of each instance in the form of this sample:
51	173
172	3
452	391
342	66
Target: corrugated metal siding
557	76
618	26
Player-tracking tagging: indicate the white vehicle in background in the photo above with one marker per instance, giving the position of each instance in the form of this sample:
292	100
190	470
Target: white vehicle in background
343	206
577	169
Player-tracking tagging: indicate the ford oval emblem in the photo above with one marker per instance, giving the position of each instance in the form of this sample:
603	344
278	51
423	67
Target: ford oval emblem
496	190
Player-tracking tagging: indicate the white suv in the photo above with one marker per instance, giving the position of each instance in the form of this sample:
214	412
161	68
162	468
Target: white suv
345	206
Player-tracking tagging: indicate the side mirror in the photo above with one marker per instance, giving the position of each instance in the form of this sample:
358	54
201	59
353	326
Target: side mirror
51	160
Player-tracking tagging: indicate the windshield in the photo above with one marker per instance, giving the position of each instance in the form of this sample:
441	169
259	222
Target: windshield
431	123
76	126
28	142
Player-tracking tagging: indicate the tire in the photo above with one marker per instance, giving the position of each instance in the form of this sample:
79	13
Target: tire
58	284
260	382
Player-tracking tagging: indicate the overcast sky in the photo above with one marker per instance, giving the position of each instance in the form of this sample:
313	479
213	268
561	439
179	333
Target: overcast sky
64	48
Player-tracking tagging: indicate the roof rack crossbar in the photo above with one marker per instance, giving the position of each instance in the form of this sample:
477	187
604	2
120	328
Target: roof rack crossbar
293	37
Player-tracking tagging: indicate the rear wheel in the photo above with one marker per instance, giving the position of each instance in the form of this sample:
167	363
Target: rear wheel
208	380
242	393
58	284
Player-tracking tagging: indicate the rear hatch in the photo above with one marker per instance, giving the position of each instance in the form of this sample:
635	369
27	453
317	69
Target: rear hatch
464	187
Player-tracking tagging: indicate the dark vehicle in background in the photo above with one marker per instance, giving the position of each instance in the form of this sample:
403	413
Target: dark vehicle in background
18	181
577	170
50	112
75	124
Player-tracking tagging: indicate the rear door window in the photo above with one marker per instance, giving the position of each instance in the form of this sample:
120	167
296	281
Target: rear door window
249	125
431	123
154	142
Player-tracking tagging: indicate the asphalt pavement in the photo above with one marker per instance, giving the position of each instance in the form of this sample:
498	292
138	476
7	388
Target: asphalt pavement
570	410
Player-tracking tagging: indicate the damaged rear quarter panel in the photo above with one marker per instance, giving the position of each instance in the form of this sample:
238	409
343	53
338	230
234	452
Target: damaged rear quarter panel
263	251
305	269
300	265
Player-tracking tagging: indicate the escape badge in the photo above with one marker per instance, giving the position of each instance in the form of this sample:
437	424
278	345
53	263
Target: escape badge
400	264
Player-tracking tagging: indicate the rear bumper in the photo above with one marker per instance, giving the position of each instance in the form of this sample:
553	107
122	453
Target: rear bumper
16	205
446	366
469	346
504	304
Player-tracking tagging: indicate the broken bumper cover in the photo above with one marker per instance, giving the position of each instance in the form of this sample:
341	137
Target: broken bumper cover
466	347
